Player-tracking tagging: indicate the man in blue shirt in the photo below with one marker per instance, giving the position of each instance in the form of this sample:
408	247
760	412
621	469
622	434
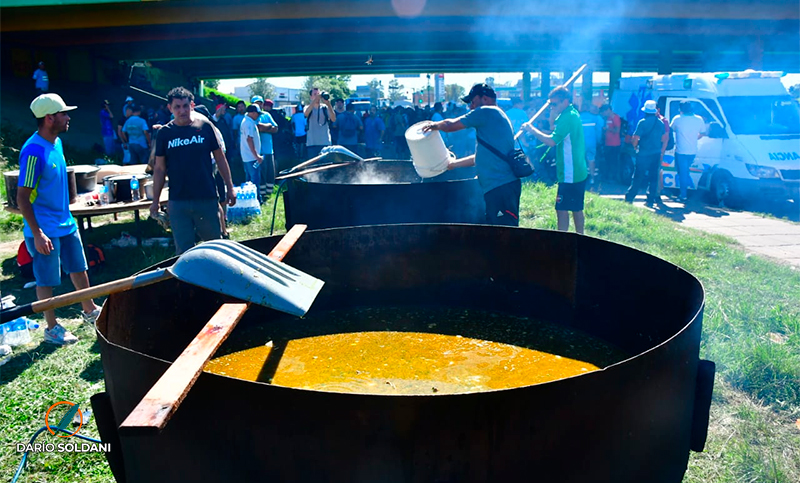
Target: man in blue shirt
51	234
501	189
592	132
650	140
137	137
266	128
41	78
107	128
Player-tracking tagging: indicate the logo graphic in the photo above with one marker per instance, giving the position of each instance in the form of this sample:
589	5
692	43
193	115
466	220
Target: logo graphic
47	423
72	414
185	142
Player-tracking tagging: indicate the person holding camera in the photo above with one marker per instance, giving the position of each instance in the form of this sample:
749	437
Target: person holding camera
501	188
320	115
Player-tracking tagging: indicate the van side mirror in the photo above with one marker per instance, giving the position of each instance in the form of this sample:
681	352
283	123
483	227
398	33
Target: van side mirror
716	131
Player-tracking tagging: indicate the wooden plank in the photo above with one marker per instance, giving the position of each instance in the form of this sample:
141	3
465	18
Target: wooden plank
287	242
153	412
163	399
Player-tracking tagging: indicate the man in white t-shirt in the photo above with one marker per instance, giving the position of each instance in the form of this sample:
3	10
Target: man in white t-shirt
250	146
688	129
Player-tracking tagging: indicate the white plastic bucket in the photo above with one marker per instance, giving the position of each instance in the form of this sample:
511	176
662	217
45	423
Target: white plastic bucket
428	152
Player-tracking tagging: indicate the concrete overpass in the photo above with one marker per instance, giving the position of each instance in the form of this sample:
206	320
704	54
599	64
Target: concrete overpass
248	38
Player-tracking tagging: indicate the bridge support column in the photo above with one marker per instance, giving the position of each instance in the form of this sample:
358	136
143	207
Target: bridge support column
614	74
587	92
545	88
526	86
665	62
755	54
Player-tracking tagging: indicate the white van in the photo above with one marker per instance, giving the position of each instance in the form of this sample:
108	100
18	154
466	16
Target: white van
751	147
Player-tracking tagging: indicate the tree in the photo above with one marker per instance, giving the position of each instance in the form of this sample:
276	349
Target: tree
453	92
212	83
336	85
262	88
375	91
396	91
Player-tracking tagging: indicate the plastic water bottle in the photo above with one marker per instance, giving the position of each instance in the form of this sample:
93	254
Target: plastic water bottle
135	189
103	195
15	333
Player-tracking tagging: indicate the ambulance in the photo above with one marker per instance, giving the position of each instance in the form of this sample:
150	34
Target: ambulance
751	147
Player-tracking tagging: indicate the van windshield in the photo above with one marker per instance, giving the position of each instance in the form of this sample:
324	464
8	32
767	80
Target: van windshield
762	115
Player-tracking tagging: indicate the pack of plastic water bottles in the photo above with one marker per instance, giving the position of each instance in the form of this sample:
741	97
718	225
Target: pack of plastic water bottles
15	332
246	206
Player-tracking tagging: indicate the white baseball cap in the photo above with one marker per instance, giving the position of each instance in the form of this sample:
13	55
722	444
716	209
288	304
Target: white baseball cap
49	104
129	98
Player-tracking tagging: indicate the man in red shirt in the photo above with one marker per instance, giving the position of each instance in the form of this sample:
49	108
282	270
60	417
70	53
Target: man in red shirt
611	169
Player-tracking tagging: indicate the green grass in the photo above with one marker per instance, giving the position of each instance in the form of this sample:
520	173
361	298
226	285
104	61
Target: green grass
751	330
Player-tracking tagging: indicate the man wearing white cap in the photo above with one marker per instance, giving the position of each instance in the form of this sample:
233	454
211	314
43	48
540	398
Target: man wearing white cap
266	128
649	140
51	234
128	103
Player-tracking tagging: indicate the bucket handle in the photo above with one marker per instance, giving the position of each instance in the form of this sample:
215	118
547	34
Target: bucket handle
702	405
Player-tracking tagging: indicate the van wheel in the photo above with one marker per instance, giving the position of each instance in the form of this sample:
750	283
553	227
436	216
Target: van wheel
722	190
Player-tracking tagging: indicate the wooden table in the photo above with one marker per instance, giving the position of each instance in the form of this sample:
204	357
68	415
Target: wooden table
82	212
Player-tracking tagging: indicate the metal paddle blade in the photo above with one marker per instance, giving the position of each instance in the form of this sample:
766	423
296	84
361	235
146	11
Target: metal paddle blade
230	268
339	154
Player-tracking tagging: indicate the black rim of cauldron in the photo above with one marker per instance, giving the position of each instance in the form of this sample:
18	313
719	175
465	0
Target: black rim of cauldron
333	198
670	362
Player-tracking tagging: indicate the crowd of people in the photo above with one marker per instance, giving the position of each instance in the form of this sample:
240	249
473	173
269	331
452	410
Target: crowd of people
195	149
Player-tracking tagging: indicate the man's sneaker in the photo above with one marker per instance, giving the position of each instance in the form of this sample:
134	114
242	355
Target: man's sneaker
59	335
91	317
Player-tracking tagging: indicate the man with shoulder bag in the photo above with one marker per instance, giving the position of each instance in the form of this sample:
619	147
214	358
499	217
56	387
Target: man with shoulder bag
649	140
501	186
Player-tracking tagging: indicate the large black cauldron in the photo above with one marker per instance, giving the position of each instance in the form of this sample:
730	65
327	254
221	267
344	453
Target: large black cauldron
633	422
382	192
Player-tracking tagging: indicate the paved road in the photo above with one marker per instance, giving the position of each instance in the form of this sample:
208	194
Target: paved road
777	239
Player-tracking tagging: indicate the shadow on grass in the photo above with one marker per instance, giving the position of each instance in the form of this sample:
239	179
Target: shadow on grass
22	360
93	372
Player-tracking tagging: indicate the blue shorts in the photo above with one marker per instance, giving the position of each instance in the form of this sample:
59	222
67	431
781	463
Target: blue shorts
67	253
591	154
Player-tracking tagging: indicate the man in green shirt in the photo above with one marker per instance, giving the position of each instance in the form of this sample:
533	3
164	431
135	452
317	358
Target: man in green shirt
570	157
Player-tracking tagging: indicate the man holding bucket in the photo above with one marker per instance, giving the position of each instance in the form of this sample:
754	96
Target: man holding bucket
501	189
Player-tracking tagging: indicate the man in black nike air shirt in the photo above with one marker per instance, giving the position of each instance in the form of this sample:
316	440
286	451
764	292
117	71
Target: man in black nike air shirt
183	152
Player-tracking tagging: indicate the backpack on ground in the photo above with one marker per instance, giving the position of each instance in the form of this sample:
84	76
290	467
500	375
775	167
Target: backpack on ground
95	258
24	261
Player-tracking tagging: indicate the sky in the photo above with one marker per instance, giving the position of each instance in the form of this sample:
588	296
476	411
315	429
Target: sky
412	84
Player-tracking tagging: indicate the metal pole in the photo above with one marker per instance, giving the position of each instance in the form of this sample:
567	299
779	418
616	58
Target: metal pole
429	90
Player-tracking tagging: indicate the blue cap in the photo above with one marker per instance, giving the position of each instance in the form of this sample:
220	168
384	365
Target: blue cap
256	99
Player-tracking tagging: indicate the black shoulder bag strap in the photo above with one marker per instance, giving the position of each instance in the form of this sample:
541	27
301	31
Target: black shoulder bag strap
492	149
